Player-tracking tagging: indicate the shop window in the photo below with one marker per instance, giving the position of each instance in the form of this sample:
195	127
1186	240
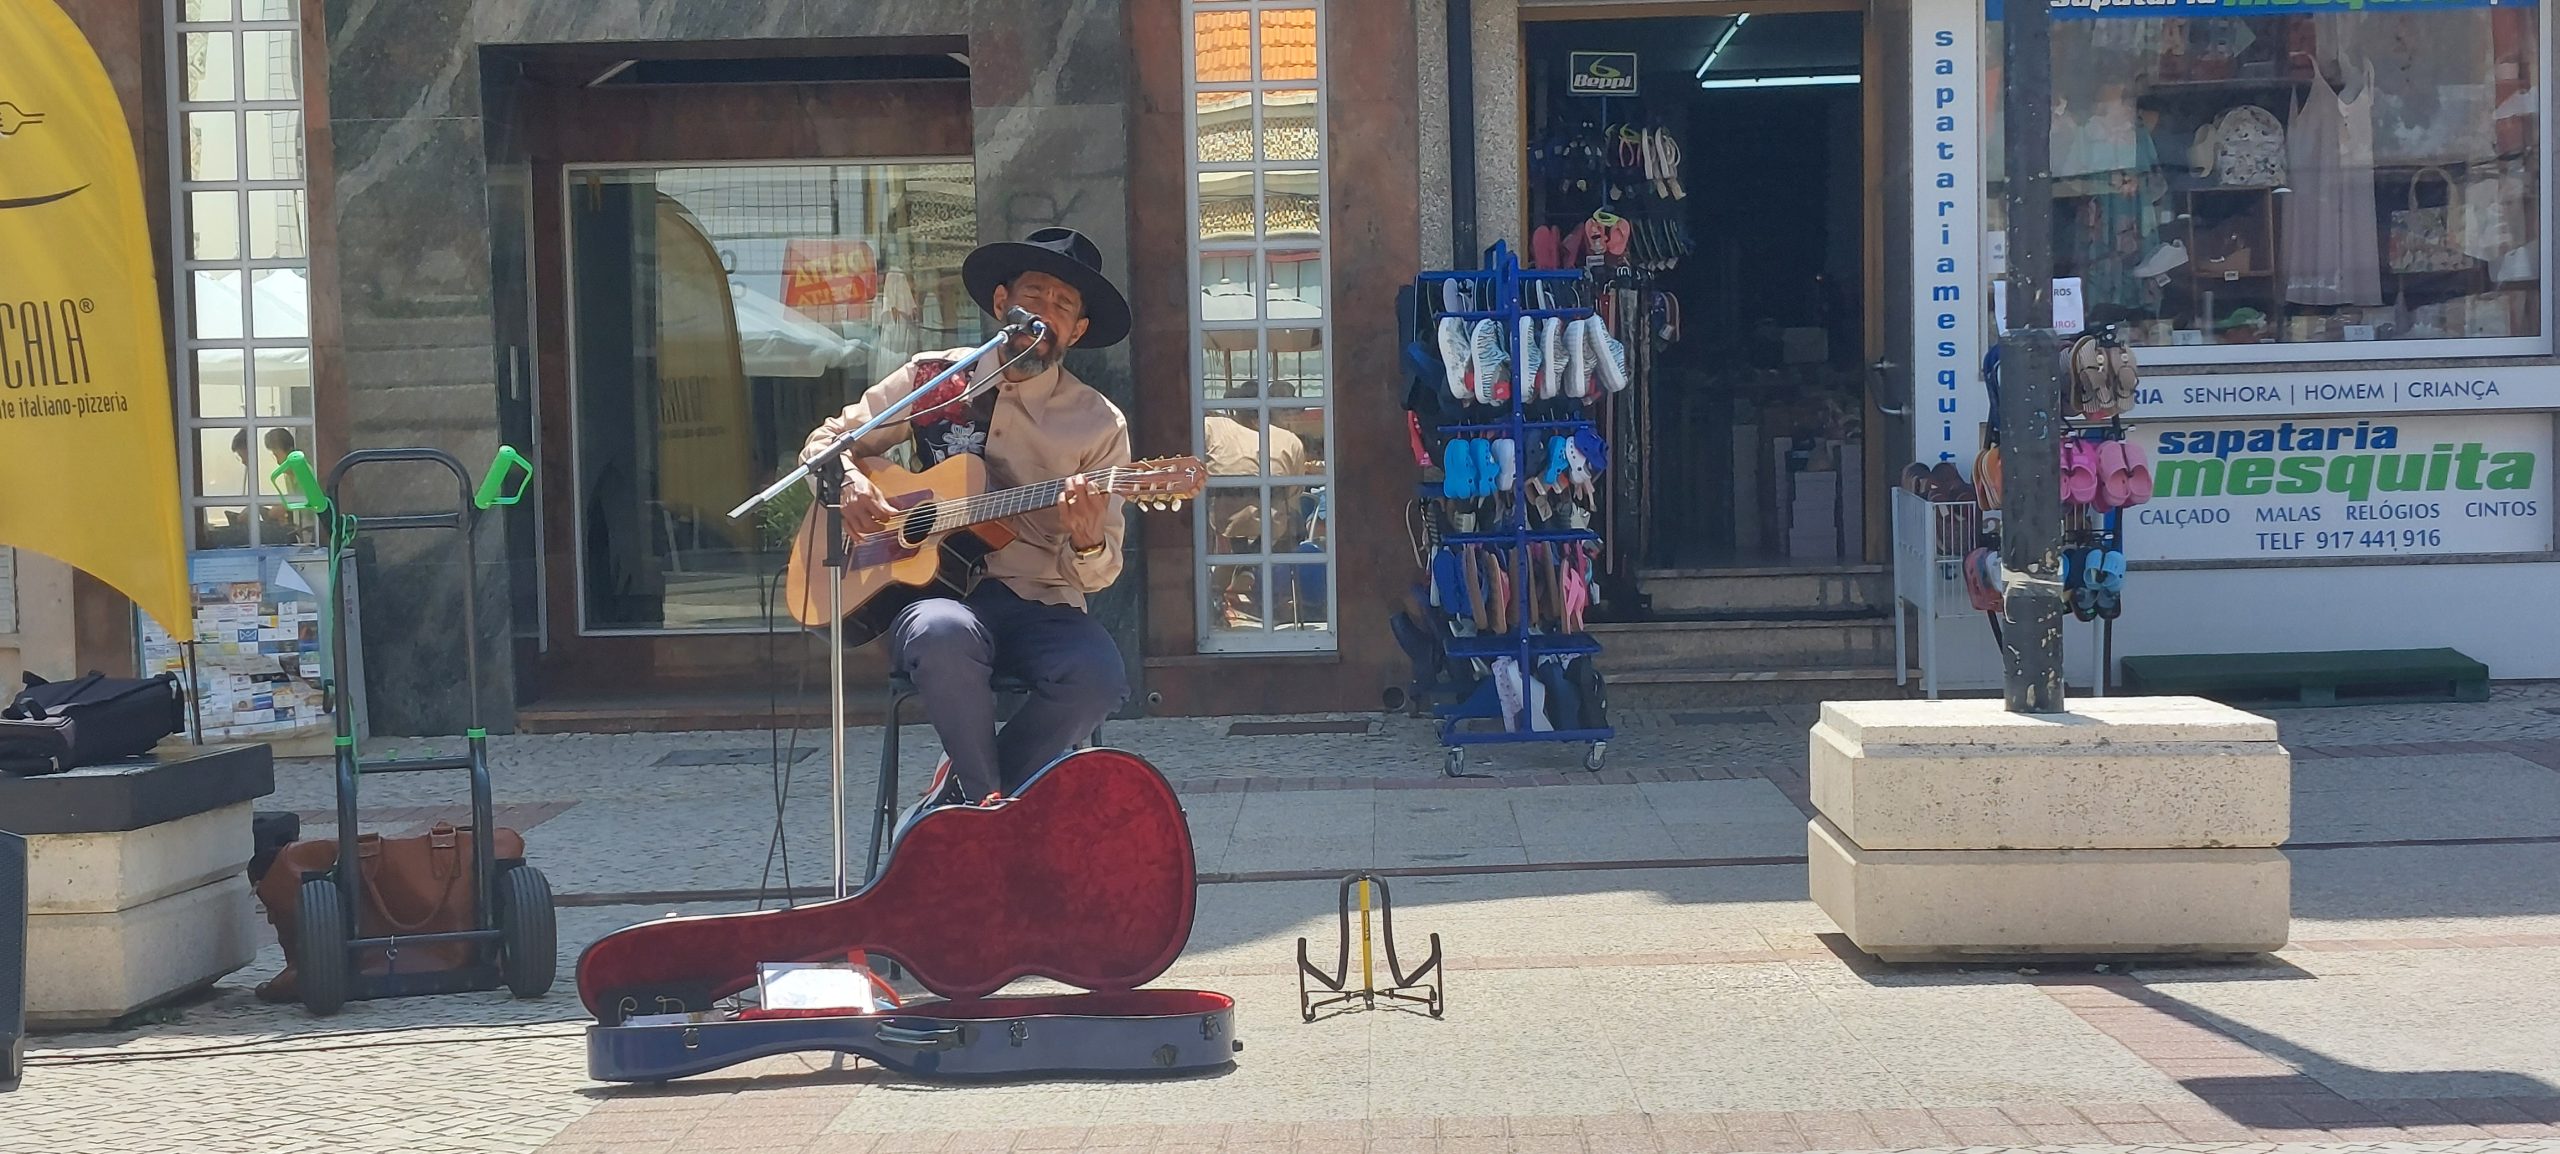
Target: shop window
243	318
1260	370
2253	182
717	314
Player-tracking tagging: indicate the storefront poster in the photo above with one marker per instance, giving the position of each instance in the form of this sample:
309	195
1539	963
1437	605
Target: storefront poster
2361	392
2343	487
259	669
1948	401
830	279
1603	74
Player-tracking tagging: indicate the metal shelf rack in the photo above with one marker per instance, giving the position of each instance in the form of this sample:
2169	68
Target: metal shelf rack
1506	284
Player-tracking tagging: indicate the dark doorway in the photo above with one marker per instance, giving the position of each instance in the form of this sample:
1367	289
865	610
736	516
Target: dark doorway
1753	286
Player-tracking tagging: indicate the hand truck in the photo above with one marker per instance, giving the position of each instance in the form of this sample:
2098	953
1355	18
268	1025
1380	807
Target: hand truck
515	938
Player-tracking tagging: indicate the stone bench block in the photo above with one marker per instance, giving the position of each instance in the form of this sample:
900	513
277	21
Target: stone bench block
2121	773
88	969
1938	905
101	873
2089	721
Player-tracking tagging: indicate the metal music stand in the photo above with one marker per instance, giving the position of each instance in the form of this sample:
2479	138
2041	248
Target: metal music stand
829	469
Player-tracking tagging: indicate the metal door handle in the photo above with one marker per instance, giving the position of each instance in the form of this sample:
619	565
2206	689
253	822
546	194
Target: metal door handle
1880	369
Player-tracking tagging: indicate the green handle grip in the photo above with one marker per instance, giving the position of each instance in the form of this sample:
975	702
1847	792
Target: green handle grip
305	495
493	487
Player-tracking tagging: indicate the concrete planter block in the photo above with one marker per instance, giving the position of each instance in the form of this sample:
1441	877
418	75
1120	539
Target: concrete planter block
101	873
88	969
2114	773
1941	905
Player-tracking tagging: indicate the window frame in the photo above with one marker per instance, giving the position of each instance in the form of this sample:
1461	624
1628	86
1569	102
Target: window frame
1259	248
184	344
569	174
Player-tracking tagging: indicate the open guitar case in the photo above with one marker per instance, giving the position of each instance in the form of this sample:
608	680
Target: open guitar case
1085	877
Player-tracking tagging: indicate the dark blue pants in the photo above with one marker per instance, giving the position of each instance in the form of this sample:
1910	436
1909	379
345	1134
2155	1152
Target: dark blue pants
951	649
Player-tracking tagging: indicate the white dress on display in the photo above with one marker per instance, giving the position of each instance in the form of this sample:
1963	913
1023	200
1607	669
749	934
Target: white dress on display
2332	251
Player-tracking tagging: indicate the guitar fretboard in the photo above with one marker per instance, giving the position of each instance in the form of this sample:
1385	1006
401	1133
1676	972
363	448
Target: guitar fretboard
941	516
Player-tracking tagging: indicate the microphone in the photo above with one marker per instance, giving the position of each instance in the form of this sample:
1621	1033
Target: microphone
1018	320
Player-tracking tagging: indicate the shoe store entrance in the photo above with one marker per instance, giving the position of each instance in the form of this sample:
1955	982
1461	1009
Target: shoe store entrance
1716	166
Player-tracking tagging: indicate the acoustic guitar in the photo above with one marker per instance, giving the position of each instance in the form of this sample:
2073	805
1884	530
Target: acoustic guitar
948	521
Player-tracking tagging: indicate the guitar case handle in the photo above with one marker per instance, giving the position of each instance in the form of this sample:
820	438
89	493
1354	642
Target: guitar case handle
947	1038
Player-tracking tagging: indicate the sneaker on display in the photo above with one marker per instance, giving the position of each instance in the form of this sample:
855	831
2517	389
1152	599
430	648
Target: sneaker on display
2171	256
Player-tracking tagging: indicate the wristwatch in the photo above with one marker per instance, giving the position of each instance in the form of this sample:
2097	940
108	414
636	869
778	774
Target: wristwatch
1094	551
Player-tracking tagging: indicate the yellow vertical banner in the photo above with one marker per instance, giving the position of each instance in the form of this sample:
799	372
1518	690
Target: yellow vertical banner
88	452
704	461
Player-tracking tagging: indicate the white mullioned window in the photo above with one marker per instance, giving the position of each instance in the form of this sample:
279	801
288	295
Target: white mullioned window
1262	371
242	316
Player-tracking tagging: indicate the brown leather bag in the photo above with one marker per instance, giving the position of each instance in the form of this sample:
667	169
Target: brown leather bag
411	885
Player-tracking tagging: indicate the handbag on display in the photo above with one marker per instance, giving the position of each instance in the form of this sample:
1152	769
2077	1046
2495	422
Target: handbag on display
2497	208
411	885
2242	148
2428	239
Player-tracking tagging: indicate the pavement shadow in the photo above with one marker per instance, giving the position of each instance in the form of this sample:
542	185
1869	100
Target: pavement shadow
853	1072
2307	1098
2052	970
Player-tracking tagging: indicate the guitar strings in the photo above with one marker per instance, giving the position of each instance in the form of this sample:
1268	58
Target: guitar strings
983	506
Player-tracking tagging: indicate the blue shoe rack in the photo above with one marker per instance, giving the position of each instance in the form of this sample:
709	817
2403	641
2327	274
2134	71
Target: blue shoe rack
1510	288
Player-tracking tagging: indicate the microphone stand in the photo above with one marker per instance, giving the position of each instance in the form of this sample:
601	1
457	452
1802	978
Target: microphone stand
829	469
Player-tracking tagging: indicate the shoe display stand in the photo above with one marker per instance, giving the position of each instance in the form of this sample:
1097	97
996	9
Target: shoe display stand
1947	534
1531	643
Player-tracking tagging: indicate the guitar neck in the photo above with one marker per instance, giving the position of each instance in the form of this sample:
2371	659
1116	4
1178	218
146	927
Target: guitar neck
980	508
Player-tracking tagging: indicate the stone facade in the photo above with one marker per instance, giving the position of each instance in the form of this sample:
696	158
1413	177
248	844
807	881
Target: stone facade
424	194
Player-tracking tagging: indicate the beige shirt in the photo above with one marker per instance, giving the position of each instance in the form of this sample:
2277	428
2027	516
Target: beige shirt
1048	427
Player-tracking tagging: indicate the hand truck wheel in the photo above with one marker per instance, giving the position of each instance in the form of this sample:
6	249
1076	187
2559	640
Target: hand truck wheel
320	947
1591	760
1454	761
528	934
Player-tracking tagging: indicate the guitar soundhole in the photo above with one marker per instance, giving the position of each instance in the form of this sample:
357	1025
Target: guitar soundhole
917	526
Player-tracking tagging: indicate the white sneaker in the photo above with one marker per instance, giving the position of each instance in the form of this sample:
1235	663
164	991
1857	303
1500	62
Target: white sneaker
2172	256
1533	360
1458	357
1490	361
1551	346
1608	356
1508	686
1578	359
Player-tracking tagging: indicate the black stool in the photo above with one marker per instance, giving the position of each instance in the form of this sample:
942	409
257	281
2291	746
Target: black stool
1009	694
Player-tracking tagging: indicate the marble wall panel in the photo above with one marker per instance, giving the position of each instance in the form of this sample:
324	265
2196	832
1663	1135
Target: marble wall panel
414	295
595	21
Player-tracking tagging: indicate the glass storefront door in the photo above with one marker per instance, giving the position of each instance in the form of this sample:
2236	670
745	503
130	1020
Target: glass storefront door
717	315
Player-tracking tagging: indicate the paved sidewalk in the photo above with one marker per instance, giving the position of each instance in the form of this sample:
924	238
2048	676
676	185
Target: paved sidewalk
1633	967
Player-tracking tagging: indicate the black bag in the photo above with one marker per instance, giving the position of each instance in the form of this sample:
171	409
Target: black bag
55	726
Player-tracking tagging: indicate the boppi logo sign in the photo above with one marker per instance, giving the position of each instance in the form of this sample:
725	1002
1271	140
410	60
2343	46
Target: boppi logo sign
1603	74
2351	461
14	120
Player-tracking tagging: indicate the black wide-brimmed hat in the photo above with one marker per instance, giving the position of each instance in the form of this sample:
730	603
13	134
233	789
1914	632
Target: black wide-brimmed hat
1065	254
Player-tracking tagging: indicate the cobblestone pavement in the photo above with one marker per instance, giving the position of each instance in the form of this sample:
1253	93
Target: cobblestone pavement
1633	967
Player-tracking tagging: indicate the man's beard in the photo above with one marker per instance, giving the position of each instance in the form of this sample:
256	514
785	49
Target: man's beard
1024	364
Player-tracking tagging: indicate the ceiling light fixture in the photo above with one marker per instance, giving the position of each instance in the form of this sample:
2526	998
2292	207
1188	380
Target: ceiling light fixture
1721	41
1780	81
